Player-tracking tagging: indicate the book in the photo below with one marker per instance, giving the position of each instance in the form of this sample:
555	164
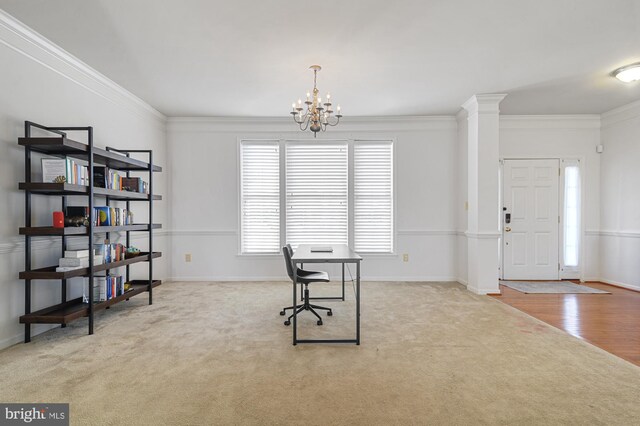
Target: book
67	268
53	168
82	262
100	176
76	253
322	249
103	216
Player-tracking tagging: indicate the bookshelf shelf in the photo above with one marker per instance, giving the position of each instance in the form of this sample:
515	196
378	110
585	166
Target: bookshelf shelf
49	272
46	188
64	313
63	147
59	145
83	231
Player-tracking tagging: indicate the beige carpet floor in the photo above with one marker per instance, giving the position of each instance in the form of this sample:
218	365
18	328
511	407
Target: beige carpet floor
218	354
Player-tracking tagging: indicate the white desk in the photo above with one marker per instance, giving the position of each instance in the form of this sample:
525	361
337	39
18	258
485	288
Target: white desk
340	254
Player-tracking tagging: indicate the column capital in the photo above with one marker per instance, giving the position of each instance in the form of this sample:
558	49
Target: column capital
484	103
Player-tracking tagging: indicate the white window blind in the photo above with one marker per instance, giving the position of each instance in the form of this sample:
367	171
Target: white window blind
373	197
260	197
316	193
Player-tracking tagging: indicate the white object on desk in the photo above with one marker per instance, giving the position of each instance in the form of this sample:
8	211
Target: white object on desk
322	249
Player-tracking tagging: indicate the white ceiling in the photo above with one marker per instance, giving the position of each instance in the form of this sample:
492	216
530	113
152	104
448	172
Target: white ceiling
379	57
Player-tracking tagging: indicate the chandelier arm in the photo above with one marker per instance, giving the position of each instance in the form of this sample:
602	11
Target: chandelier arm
334	124
305	124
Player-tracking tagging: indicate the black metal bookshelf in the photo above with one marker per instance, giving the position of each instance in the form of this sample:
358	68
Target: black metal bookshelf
59	145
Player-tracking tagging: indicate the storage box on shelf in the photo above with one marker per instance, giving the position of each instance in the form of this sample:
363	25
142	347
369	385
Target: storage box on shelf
58	145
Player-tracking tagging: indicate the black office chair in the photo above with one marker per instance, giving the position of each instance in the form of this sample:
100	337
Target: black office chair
304	278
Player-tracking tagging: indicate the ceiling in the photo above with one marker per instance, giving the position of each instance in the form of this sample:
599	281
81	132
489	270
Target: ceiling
379	57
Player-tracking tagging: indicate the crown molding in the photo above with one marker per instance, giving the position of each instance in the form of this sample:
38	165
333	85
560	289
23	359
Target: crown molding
565	121
26	41
286	126
620	114
484	103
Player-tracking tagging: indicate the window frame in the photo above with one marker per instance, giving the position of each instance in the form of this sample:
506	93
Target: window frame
571	272
350	142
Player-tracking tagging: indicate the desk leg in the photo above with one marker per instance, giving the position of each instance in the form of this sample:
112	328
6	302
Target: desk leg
343	281
295	299
357	303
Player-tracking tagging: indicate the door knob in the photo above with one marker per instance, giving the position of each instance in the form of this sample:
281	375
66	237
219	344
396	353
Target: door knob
507	229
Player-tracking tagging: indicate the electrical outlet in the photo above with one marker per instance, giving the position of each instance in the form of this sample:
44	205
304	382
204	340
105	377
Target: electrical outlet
405	257
187	257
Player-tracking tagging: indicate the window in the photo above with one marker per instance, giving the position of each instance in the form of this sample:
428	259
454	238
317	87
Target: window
331	192
571	235
373	197
260	197
316	193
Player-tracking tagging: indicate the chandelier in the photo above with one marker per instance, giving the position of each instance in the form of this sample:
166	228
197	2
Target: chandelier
318	115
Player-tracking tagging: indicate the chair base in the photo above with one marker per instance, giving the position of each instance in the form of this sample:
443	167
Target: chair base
306	306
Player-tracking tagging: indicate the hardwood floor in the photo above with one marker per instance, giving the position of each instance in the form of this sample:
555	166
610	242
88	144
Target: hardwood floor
609	321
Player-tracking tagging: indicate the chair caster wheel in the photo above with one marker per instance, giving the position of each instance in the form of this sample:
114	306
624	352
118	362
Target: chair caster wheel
319	322
329	314
287	322
282	313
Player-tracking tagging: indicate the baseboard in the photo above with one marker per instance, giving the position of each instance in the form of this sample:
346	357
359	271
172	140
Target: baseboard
19	338
619	284
237	278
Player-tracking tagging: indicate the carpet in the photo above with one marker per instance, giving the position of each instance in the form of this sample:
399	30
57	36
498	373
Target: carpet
218	354
559	287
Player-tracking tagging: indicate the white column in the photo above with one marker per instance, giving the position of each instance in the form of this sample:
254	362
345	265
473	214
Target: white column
482	192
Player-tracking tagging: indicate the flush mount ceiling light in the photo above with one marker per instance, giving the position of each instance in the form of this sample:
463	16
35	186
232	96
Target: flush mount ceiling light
318	115
629	73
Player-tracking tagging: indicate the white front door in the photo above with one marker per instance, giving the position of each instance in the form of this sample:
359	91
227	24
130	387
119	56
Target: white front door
530	220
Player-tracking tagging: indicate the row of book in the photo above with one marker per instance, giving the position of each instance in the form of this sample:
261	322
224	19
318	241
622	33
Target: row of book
102	216
68	170
112	216
64	170
113	252
105	177
108	287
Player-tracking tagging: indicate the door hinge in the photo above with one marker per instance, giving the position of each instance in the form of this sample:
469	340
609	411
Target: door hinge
559	171
558	266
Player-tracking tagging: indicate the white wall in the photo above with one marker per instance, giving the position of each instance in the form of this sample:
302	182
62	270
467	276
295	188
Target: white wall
462	164
563	137
620	207
41	83
204	155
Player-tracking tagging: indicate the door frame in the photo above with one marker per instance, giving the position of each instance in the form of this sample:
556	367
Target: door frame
577	273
